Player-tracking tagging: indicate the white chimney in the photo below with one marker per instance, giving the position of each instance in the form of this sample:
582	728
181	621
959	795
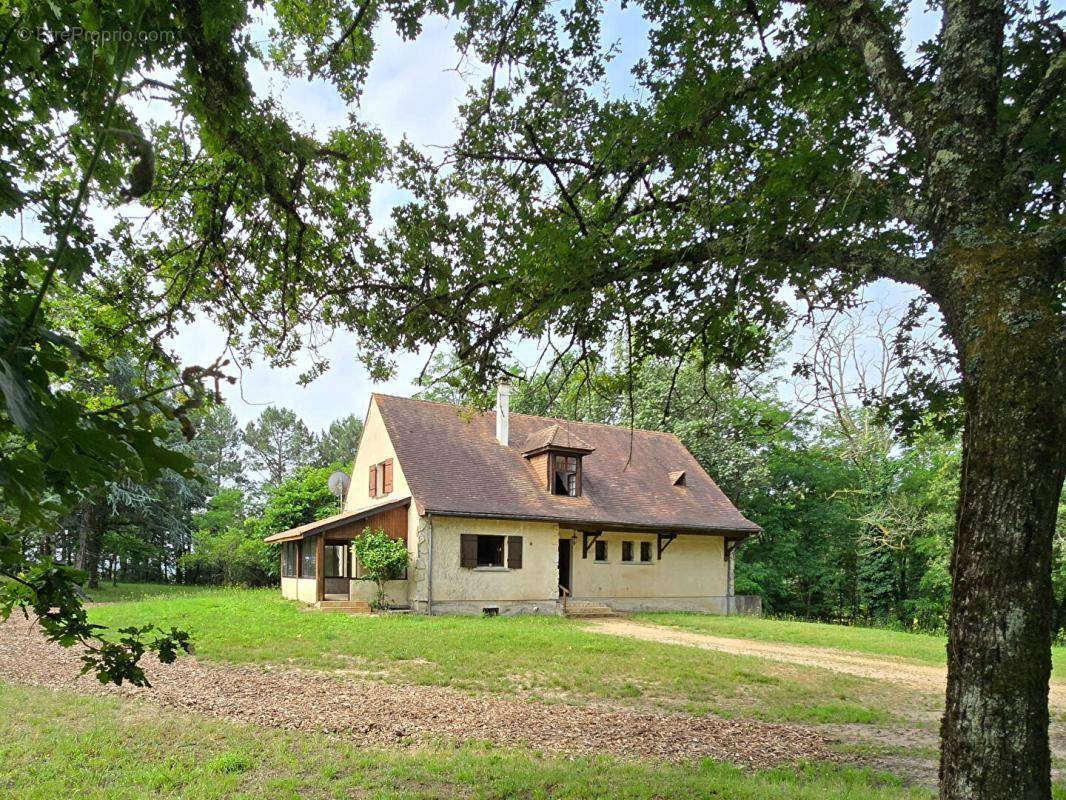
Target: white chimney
503	413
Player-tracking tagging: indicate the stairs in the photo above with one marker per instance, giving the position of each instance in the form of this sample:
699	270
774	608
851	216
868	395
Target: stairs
588	609
343	606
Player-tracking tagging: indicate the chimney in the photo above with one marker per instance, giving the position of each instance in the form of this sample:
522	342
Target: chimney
503	413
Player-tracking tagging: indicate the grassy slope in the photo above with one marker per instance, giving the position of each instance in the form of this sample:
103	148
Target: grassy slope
917	647
63	745
546	656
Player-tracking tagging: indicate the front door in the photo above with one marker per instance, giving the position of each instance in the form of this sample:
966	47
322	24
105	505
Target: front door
335	572
564	565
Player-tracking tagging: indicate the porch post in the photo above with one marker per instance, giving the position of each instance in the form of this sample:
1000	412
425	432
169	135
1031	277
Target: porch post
320	557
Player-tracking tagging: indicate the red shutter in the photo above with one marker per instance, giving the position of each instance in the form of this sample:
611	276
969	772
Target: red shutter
514	552
373	480
468	550
386	480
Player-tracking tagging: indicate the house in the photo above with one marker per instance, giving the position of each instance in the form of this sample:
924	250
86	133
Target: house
509	513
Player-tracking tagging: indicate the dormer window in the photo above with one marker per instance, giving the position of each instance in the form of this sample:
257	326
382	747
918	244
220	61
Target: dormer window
566	472
556	453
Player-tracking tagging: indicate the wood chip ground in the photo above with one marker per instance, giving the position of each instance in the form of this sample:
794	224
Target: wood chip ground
407	715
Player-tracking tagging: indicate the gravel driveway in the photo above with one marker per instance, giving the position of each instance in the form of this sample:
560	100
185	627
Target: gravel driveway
404	715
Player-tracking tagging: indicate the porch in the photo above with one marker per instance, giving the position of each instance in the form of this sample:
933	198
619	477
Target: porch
318	561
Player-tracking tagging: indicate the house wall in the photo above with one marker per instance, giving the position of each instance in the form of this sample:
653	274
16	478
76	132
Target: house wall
531	589
692	574
375	446
302	589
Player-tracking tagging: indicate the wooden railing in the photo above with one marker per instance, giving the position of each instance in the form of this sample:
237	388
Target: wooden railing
565	593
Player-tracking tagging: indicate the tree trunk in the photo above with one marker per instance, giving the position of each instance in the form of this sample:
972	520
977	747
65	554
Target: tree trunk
1002	316
90	539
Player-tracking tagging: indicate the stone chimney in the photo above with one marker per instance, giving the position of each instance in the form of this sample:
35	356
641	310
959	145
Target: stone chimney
503	413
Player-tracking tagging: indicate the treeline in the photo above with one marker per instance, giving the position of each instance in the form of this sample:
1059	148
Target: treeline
206	527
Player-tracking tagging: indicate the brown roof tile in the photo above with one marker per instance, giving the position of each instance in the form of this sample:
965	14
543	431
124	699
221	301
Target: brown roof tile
555	436
455	466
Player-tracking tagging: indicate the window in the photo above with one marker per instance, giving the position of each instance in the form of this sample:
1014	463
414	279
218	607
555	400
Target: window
627	551
308	555
381	478
288	559
490	551
566	478
601	550
645	551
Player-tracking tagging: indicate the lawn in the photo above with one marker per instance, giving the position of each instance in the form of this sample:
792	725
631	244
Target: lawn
917	647
124	592
55	744
542	657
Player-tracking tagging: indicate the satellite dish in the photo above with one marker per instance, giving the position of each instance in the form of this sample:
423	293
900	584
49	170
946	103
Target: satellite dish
338	483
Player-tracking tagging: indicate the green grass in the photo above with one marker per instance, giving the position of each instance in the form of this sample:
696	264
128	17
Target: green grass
124	592
547	657
56	744
917	647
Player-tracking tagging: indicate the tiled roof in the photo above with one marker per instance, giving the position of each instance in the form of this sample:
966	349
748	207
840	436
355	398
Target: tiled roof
455	466
555	436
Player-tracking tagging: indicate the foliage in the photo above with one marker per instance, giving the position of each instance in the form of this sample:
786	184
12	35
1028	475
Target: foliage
339	443
382	558
227	548
278	444
296	501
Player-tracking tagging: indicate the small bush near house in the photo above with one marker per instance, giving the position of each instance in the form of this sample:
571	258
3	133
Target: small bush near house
383	559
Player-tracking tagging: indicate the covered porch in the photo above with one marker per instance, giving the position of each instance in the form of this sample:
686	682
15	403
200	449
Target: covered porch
318	562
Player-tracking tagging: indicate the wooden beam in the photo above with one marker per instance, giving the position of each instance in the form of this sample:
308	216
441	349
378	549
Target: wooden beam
730	546
320	566
588	539
664	540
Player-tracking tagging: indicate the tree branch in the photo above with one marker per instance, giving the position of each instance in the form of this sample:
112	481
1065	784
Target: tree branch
863	28
1044	94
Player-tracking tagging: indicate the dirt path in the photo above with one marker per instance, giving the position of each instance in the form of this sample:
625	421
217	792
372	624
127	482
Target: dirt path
923	677
389	714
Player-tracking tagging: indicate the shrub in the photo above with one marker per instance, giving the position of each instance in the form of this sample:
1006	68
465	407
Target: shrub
383	559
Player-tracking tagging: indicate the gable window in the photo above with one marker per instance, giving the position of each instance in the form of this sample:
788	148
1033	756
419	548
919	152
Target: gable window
288	559
627	551
645	552
380	478
566	475
601	550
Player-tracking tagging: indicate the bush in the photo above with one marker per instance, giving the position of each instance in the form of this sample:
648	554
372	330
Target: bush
383	559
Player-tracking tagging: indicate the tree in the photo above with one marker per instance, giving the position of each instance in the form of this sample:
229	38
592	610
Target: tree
228	220
278	443
339	443
773	147
383	559
217	446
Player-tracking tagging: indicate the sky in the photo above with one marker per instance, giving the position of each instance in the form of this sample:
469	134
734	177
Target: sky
413	90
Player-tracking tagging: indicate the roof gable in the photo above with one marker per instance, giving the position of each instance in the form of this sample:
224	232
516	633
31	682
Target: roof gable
455	466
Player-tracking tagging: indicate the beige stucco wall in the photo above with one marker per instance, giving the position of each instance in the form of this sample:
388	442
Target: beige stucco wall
536	581
375	446
691	567
303	589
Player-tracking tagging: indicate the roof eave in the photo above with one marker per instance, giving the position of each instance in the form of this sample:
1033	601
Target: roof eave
707	530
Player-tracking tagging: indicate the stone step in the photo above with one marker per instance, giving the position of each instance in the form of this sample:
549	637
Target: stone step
344	606
587	609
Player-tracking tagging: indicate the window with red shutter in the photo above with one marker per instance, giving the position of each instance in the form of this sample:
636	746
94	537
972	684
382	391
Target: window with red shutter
386	478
